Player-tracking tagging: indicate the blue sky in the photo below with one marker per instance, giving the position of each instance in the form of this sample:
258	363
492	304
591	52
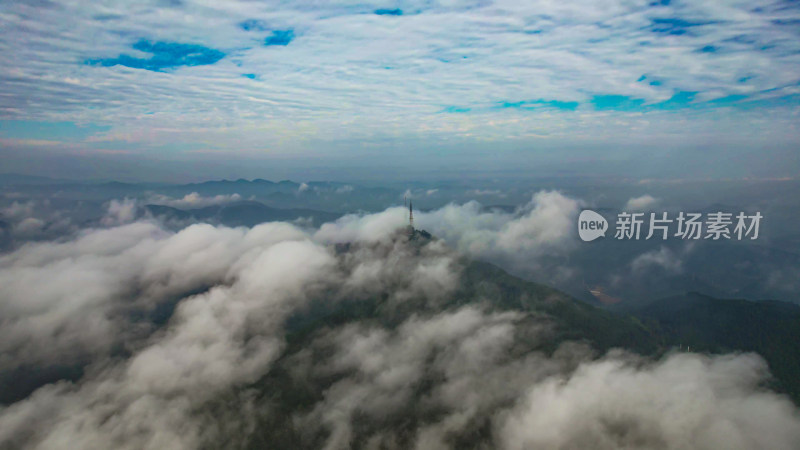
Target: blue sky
264	81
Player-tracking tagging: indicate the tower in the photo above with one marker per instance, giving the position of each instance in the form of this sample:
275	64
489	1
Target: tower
411	214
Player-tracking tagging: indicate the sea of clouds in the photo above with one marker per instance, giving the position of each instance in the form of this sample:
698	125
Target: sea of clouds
169	336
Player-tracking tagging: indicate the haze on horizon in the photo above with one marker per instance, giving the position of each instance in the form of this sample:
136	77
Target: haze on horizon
190	90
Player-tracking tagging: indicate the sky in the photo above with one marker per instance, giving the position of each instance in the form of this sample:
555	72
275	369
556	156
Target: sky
155	90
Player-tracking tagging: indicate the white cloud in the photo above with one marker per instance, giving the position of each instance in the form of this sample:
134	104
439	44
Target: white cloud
18	211
29	226
543	228
683	401
370	228
460	361
192	381
485	192
389	366
64	301
387	77
192	200
641	203
663	258
79	301
120	212
34	220
147	401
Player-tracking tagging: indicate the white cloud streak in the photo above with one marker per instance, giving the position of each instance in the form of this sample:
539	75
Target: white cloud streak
641	203
192	200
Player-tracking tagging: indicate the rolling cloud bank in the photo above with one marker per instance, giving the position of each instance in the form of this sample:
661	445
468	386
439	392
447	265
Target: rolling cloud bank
130	334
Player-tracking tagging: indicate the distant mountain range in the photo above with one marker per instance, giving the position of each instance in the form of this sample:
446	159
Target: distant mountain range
317	195
216	186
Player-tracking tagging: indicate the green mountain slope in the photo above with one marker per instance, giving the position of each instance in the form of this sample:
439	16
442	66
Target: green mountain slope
293	392
707	324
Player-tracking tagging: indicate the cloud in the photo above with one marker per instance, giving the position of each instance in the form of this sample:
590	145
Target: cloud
180	336
386	368
33	220
368	228
546	223
533	241
193	200
682	401
66	301
481	192
97	302
496	64
640	203
205	351
18	210
254	24
120	212
29	227
663	258
543	227
523	240
432	381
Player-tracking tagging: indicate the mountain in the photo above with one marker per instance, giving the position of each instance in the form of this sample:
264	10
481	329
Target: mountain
15	179
708	324
574	319
294	392
771	329
399	336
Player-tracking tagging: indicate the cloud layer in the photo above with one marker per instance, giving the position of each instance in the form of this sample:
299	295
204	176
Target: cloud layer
181	339
280	77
